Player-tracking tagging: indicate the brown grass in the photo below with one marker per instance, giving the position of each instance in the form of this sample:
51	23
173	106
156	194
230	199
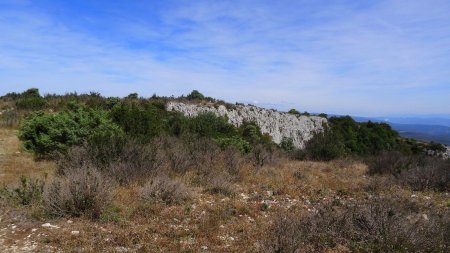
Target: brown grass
14	161
210	221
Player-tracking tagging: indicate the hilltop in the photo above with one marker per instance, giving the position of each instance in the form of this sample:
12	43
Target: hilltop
195	174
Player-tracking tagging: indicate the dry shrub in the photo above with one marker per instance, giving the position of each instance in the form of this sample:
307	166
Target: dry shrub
133	162
76	157
204	155
177	153
9	118
433	174
417	172
219	183
84	191
217	169
233	162
265	155
375	225
138	163
379	183
166	190
389	163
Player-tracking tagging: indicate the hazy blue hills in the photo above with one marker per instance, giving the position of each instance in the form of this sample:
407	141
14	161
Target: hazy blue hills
435	133
421	128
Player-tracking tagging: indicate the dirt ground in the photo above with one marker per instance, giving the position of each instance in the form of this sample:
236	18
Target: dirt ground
207	223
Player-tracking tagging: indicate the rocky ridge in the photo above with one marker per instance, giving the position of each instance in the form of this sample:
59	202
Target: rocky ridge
278	125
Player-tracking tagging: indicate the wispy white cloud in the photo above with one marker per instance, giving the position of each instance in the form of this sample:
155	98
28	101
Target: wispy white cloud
337	57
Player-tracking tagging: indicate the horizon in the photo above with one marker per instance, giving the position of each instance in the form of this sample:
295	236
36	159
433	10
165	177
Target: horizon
371	59
262	105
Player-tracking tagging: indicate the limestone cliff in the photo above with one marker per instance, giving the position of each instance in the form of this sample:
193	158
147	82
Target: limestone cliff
277	124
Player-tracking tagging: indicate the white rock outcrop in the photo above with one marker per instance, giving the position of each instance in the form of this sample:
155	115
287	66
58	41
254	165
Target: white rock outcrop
443	154
277	124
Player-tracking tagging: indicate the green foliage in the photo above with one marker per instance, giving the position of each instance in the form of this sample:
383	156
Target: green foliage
133	96
363	138
210	125
436	147
33	92
141	122
294	111
195	95
32	103
147	120
111	102
251	132
112	213
344	137
287	144
46	133
28	192
324	146
31	99
234	142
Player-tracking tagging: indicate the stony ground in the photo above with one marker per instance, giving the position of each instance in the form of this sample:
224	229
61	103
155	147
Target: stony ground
207	223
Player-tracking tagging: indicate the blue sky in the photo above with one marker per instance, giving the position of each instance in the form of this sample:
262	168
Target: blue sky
348	57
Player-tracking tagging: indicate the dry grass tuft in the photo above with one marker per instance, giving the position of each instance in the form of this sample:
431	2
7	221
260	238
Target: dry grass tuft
164	189
14	162
80	192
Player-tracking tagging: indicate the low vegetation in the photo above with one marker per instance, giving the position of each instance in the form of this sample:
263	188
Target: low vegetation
139	178
379	224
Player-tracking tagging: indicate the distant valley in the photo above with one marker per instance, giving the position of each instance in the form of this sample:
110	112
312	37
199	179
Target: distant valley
435	129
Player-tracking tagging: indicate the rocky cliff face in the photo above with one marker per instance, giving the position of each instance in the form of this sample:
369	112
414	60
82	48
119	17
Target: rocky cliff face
277	124
443	154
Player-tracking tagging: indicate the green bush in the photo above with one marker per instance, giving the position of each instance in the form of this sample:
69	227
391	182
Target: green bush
287	144
251	132
46	134
210	125
31	103
294	111
323	146
195	95
363	138
28	191
30	100
345	137
234	142
140	121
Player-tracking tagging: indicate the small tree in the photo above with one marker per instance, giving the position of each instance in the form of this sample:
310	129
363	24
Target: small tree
31	99
33	92
195	95
324	146
294	111
287	144
45	133
133	96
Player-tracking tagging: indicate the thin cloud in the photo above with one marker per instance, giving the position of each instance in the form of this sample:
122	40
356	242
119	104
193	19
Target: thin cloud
332	56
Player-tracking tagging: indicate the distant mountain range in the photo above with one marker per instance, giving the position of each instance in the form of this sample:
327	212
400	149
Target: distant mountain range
435	129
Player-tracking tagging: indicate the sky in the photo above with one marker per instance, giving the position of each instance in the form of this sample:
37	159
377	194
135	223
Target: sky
366	58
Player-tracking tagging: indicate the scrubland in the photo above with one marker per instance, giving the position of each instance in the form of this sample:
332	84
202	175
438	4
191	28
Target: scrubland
83	173
215	205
